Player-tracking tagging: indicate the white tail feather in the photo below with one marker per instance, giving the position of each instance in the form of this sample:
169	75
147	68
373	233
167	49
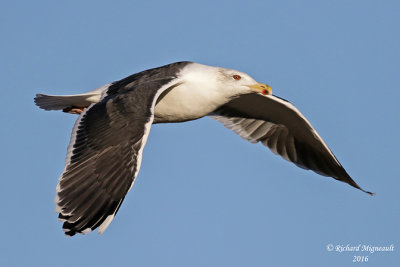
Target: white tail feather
57	102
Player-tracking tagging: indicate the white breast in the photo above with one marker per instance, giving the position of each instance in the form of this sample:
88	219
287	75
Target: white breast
186	102
197	95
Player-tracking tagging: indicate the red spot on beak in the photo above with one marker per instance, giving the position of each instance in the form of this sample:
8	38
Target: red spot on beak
265	92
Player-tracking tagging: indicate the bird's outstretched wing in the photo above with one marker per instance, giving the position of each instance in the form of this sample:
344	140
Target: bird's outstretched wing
104	156
277	124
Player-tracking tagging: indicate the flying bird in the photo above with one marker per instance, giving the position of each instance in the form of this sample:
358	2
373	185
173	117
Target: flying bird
107	141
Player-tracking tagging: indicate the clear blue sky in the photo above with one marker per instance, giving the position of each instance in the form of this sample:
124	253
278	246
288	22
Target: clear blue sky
204	196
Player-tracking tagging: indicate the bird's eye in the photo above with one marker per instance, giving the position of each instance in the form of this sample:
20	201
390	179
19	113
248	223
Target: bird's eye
236	77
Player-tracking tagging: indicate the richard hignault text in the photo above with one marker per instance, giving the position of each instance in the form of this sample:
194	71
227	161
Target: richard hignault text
366	248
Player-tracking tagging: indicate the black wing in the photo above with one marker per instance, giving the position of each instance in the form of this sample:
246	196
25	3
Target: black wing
277	124
104	157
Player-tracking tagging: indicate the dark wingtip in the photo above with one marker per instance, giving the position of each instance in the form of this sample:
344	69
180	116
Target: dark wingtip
358	187
372	194
351	182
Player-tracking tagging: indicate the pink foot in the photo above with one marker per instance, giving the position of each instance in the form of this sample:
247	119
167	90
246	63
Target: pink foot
74	110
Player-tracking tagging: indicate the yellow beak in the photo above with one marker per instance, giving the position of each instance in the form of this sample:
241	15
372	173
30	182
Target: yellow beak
264	89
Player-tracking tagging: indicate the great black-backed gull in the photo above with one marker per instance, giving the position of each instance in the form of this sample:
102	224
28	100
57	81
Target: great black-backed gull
105	151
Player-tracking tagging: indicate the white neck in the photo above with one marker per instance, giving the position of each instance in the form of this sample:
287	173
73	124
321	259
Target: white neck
198	95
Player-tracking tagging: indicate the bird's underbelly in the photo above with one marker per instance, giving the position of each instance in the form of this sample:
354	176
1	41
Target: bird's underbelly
185	104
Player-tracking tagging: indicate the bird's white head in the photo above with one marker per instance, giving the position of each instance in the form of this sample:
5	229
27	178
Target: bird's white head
226	81
242	82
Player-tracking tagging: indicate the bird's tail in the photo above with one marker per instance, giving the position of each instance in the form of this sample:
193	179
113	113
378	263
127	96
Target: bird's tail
58	102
